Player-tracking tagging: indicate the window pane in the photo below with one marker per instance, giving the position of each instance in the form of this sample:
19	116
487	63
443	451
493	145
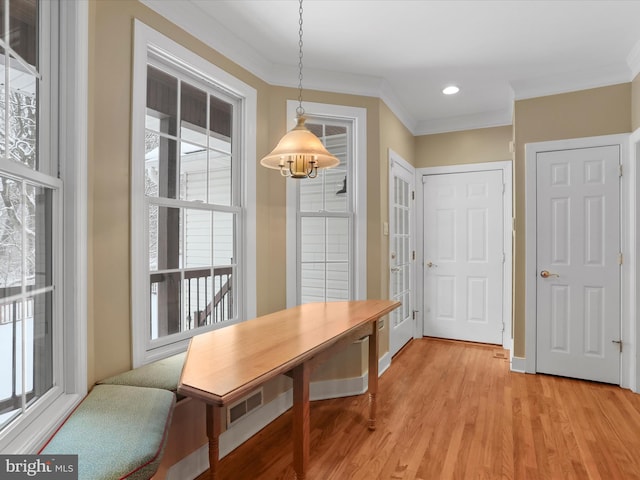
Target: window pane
193	172
220	118
193	115
39	367
311	194
224	226
337	239
160	166
337	281
34	315
198	298
313	239
165	304
38	219
162	101
222	307
219	178
11	235
21	143
165	241
11	315
151	163
197	238
23	29
313	282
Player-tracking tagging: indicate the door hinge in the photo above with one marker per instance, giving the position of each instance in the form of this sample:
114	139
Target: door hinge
620	167
504	257
413	195
413	255
414	314
619	342
620	258
504	187
503	327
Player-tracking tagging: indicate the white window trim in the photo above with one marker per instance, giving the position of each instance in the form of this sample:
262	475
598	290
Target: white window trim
359	184
26	435
144	37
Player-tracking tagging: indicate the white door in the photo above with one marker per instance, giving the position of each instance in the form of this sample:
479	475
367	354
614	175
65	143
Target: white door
578	263
402	251
463	256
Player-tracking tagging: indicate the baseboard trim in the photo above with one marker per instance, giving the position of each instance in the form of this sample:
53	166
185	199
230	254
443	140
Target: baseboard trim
518	364
197	462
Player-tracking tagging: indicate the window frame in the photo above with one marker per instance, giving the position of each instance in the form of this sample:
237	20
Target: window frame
147	40
357	182
63	132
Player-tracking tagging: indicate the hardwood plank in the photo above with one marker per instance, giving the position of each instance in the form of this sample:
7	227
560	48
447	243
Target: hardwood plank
449	410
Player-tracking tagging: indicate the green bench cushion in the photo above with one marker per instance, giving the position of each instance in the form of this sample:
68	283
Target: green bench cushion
118	432
163	374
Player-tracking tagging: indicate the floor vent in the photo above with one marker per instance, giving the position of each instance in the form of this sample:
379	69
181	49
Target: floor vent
243	406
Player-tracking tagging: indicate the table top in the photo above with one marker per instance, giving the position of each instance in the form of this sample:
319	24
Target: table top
224	364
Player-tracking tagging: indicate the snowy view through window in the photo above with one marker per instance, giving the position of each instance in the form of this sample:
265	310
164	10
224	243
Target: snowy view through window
24	244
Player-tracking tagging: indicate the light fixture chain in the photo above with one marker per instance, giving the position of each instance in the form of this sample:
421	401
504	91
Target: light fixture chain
300	110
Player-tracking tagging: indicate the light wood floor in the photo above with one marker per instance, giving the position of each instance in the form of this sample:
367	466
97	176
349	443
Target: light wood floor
453	410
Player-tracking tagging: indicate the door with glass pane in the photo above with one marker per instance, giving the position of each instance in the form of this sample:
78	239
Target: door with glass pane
402	251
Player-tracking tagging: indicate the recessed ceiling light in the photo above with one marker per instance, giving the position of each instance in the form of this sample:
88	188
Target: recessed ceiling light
450	90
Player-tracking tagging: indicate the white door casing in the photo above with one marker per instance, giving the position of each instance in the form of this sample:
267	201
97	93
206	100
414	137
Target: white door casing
578	248
401	250
464	255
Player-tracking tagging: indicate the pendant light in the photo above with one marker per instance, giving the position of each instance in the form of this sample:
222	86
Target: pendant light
299	154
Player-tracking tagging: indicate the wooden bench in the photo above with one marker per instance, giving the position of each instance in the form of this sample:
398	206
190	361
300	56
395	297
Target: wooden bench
117	431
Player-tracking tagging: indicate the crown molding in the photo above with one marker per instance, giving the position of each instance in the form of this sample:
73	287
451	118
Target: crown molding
195	21
633	60
497	118
571	81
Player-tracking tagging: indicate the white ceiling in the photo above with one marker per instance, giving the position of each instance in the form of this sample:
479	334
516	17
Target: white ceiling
406	51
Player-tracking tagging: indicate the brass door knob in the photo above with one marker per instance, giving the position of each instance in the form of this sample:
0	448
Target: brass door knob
547	274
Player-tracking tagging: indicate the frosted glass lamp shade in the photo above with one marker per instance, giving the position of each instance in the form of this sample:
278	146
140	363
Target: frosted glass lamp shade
299	154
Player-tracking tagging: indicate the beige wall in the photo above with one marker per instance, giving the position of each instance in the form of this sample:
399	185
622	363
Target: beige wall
598	111
635	103
111	41
469	146
111	46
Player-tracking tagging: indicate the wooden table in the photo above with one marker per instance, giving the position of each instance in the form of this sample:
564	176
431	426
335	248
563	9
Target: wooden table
226	364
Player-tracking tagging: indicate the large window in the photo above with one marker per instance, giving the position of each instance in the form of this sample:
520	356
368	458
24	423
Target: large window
36	316
193	206
327	218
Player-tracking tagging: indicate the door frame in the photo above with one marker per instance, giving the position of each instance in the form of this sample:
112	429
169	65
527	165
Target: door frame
506	167
627	238
394	158
634	257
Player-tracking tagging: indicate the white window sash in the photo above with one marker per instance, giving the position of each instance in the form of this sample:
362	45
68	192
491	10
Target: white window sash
148	44
358	212
68	99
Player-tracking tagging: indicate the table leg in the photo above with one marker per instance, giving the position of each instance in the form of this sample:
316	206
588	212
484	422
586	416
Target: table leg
301	375
213	432
373	375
